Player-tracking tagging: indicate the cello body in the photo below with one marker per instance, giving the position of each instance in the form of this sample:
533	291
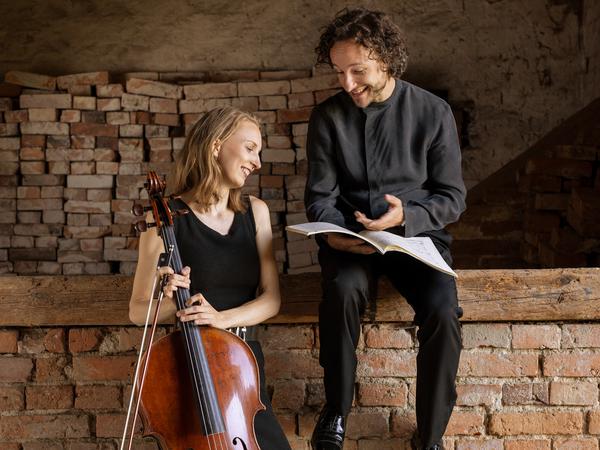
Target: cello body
168	410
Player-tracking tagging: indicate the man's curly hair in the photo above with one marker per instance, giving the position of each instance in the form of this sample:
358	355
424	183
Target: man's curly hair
372	29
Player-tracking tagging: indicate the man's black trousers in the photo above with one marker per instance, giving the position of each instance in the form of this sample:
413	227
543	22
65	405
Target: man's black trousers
349	282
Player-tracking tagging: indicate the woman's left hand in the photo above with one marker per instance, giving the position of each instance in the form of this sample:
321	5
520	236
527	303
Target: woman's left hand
202	313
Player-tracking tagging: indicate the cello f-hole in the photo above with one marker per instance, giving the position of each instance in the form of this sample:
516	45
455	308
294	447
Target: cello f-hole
237	440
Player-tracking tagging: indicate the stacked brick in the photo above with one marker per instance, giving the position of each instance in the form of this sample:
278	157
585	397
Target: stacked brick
520	386
74	152
562	221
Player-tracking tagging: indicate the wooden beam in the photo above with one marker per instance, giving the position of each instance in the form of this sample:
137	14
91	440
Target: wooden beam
485	296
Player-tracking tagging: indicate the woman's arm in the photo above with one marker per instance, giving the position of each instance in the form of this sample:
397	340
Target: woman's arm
267	303
150	248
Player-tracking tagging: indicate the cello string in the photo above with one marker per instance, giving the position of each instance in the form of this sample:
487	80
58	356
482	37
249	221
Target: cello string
191	348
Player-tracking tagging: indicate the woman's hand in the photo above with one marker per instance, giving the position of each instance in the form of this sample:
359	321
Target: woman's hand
175	280
202	313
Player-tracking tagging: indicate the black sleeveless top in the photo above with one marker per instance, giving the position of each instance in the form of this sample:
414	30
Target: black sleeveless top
224	268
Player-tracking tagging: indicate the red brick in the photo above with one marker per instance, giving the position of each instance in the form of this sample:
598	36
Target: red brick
272	102
385	392
300	100
109	90
60	101
478	394
133	102
94	129
574	393
51	369
579	443
32	80
289	394
109	425
482	443
466	422
294	115
275	337
17	116
103	368
49	397
53	128
108	104
82	79
43	115
387	336
525	394
25	428
317	83
31	154
292	364
11	398
386	363
367	424
536	336
574	363
530	444
486	364
594	422
54	341
15	369
486	335
98	397
581	335
548	422
153	88
8	341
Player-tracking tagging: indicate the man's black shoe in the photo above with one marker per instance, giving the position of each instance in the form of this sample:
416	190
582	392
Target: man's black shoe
329	431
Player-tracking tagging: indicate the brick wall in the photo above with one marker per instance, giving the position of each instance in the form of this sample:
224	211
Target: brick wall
520	386
74	152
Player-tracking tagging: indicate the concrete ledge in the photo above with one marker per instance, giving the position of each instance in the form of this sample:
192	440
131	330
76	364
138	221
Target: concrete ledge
485	295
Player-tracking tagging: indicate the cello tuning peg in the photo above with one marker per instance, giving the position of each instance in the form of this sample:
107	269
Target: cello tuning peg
142	225
139	209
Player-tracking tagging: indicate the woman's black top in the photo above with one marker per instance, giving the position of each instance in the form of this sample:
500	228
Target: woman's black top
224	268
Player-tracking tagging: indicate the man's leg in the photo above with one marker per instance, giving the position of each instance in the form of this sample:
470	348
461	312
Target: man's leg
348	283
432	296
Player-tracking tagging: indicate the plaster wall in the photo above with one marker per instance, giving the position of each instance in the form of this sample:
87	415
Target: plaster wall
518	68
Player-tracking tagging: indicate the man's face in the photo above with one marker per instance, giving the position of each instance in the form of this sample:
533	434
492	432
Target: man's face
360	74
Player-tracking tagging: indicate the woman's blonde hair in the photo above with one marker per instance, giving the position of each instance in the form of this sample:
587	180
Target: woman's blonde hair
196	168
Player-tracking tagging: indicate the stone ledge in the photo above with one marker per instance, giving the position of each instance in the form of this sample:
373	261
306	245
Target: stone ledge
485	296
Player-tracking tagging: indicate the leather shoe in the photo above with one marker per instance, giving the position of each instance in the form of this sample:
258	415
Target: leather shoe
329	431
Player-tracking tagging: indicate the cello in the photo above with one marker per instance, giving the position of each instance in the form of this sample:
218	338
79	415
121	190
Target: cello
199	387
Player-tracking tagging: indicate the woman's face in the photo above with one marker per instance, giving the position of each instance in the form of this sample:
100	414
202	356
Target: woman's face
238	156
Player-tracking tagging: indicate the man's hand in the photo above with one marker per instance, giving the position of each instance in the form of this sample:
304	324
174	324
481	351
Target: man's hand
349	244
393	217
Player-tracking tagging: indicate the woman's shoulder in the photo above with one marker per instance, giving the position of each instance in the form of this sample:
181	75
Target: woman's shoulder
260	210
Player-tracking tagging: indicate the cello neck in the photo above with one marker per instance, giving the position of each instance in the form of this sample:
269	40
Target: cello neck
200	375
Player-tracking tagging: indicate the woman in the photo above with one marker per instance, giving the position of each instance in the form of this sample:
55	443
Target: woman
225	243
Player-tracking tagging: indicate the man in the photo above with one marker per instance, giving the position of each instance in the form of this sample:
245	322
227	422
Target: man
383	155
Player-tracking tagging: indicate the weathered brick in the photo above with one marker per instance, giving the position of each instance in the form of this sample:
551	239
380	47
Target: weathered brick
109	425
497	364
300	100
536	336
386	363
105	368
294	115
94	129
210	90
42	114
263	88
163	105
90	181
133	102
54	128
108	104
478	394
289	394
573	363
549	422
17	116
109	90
153	88
11	398
32	80
118	118
527	444
8	341
573	393
82	79
98	397
367	424
387	336
15	370
60	101
576	443
466	422
26	428
581	335
382	392
49	397
54	339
